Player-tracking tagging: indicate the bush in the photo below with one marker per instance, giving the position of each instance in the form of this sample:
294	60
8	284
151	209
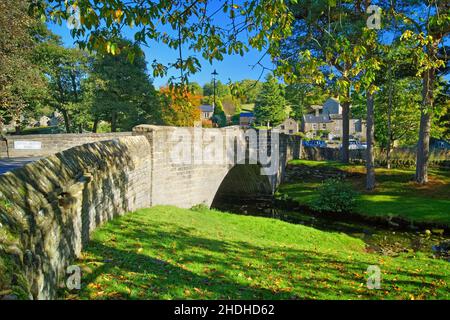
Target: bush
335	195
200	207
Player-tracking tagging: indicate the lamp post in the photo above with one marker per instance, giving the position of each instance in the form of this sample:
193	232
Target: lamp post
214	74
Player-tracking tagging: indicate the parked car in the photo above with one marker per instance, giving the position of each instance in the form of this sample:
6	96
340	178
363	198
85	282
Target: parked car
355	145
315	143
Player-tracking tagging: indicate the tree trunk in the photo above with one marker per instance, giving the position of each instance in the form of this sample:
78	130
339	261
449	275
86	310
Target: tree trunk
113	122
423	146
370	158
66	120
95	125
345	131
389	124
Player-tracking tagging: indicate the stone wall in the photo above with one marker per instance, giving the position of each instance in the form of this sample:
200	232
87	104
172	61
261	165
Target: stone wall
52	143
49	208
197	180
400	157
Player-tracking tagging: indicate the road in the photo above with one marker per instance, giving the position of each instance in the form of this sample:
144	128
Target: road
8	164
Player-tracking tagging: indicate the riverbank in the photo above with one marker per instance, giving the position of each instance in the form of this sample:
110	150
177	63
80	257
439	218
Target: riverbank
395	195
172	253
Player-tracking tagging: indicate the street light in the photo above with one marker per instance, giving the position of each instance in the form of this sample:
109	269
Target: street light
214	74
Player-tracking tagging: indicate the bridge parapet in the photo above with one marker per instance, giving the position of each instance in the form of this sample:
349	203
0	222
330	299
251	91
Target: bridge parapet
49	208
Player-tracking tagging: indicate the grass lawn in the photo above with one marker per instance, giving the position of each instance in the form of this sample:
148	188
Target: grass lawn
170	253
395	194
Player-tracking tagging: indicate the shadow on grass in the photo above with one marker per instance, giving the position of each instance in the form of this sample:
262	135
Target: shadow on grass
177	264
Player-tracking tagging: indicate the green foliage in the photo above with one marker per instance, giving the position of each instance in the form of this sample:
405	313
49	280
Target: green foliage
394	194
187	24
200	207
221	89
122	92
22	85
404	114
301	96
247	91
270	105
65	69
335	195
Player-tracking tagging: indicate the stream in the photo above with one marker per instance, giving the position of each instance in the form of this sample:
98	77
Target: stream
384	240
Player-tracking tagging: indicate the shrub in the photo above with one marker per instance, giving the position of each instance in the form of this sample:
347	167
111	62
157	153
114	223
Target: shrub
335	195
199	207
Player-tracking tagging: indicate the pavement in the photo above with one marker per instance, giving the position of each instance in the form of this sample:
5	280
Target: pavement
8	164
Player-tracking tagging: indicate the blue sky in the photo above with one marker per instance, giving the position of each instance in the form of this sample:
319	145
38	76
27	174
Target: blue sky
232	67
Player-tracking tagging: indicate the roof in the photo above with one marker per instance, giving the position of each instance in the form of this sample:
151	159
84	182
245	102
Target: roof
332	106
310	118
247	114
206	108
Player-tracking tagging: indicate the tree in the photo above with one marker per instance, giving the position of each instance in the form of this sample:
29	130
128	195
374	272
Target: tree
302	95
425	34
177	24
221	89
22	85
325	49
397	119
179	108
195	88
124	94
64	68
246	90
270	107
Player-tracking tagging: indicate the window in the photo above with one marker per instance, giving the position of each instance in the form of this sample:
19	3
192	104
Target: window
324	125
291	131
314	126
282	127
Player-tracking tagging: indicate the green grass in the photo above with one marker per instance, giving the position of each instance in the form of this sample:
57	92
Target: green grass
249	107
171	253
395	194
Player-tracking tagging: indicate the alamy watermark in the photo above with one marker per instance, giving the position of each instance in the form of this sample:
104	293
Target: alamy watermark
374	278
374	20
73	281
74	18
227	146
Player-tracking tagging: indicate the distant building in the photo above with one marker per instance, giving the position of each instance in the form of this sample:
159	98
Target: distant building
206	111
288	126
327	121
56	119
246	119
439	144
44	121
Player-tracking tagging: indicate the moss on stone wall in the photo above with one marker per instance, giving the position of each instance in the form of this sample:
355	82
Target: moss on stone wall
49	208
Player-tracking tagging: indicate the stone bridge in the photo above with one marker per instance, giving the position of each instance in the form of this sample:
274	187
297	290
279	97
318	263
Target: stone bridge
49	208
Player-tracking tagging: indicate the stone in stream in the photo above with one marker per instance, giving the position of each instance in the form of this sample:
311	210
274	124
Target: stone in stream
438	231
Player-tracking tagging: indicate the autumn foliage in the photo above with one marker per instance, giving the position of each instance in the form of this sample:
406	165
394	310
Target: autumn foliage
180	107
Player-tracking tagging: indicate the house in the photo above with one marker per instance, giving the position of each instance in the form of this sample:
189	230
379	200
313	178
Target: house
288	126
327	121
246	119
206	111
44	121
56	119
439	144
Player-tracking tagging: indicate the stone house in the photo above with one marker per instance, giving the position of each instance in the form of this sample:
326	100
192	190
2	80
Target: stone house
206	111
44	121
246	119
288	126
327	121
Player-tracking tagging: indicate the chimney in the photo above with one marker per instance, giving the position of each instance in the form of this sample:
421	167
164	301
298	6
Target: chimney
317	112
